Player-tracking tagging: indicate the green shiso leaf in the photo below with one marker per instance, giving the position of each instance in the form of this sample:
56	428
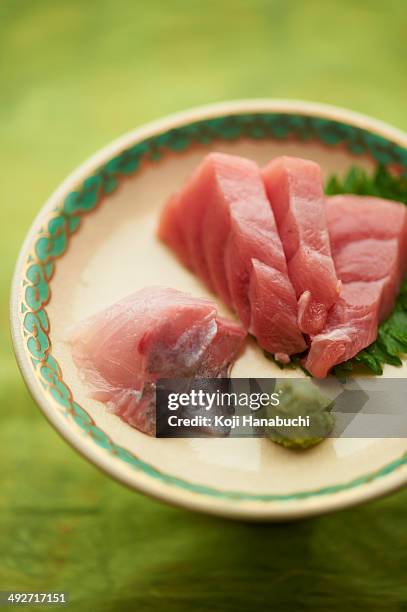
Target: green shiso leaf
391	341
382	184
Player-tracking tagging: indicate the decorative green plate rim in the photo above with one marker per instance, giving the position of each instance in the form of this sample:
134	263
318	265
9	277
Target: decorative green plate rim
53	239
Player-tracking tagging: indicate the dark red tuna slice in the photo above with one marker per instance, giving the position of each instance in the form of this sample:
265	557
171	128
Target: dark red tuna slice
171	232
351	326
237	186
253	235
295	190
369	247
226	198
274	312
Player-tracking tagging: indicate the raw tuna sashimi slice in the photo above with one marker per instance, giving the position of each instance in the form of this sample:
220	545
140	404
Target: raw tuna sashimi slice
238	227
227	198
251	237
355	218
274	312
154	333
171	232
182	218
237	187
369	247
351	327
295	190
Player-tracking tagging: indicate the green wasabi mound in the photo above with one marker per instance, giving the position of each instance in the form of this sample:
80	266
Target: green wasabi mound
300	398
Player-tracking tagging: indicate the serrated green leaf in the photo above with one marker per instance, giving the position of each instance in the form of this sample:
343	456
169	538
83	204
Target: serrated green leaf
381	354
370	361
332	186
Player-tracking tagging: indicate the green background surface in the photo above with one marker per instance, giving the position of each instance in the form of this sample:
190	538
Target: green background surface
73	76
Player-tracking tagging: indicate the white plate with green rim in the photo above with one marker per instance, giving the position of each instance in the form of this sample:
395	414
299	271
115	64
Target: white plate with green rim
94	242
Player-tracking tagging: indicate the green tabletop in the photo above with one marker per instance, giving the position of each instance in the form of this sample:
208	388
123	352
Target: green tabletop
74	75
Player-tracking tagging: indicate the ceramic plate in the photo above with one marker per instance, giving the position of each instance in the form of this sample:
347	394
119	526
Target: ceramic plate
94	242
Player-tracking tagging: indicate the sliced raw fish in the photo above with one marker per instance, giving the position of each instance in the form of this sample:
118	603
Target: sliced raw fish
229	223
274	312
370	255
154	333
354	217
369	242
237	186
171	232
227	341
253	235
351	327
295	190
183	216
